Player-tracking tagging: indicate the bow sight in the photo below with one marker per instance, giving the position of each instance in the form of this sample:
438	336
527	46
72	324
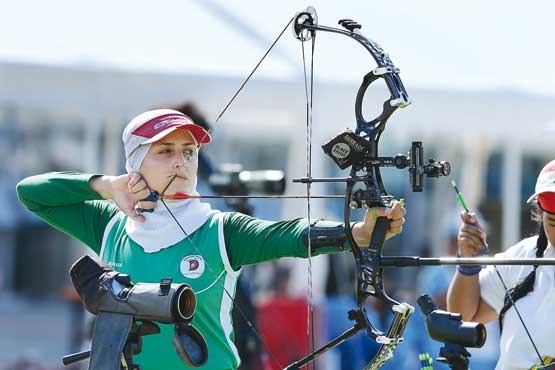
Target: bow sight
350	150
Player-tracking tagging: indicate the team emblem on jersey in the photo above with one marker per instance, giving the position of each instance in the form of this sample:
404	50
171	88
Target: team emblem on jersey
192	267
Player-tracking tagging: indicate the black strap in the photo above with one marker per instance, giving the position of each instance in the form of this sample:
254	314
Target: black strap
527	285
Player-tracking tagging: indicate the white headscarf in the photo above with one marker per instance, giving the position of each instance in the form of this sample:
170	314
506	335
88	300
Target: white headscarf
159	230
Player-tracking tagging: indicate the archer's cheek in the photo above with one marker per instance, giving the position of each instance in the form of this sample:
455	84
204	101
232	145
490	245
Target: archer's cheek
550	233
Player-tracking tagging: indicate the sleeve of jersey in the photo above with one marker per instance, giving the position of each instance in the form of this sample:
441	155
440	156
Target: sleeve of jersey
250	240
491	287
66	201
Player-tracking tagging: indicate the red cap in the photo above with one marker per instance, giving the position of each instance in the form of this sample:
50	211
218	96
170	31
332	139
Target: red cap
151	126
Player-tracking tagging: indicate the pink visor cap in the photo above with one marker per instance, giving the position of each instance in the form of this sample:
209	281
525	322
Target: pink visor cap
151	126
545	182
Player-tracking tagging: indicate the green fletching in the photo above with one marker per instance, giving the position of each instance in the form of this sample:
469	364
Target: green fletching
460	198
462	202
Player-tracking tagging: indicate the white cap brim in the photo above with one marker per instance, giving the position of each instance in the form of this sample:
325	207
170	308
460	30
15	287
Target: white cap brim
548	189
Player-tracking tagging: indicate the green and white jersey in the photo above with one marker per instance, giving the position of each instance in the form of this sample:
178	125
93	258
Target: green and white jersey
209	259
200	261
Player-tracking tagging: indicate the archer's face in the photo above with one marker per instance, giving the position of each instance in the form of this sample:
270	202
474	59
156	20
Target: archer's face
175	154
549	226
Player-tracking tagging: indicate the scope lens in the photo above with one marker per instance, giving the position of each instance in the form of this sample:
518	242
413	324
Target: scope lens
446	168
186	302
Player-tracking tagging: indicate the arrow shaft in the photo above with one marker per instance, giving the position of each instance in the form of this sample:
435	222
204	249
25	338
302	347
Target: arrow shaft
254	197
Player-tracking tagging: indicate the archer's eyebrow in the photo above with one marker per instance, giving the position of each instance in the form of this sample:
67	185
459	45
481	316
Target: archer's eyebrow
551	219
173	144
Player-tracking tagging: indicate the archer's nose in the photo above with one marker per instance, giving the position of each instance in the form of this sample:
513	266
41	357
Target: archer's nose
179	160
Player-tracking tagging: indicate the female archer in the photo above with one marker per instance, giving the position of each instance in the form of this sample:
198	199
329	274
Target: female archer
507	292
149	223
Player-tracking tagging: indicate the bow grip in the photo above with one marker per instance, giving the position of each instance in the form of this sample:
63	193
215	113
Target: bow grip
379	233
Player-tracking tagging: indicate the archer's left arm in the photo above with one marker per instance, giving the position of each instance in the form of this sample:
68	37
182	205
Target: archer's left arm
250	240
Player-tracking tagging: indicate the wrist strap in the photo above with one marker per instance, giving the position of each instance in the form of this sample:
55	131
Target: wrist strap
469	270
472	269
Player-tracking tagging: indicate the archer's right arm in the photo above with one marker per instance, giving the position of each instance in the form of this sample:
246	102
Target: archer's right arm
464	292
66	201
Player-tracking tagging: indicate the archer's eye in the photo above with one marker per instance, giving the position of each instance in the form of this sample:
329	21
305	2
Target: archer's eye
189	155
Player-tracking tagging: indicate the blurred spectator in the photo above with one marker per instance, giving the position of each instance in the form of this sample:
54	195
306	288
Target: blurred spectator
289	341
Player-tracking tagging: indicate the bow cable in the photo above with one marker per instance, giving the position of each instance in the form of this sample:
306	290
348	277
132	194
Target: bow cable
519	316
254	70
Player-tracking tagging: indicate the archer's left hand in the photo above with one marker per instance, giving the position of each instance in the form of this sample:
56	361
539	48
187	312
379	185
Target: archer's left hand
362	231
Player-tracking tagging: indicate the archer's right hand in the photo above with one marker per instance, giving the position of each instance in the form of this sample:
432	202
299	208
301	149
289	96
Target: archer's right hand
472	236
127	192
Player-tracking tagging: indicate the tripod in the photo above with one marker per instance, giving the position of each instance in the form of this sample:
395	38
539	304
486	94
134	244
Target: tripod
133	346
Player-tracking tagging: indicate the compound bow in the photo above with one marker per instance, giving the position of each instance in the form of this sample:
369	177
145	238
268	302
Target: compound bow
359	151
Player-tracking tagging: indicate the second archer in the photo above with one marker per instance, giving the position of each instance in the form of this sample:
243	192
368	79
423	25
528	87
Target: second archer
521	297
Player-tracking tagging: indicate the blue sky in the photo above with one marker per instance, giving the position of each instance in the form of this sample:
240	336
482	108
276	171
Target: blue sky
470	45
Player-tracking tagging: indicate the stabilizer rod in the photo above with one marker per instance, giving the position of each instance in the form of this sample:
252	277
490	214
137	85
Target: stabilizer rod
414	261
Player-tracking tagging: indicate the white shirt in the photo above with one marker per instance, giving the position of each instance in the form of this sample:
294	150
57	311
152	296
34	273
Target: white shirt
537	308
